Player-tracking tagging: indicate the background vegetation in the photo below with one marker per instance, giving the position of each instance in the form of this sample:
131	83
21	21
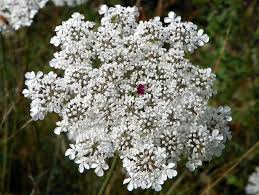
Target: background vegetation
32	156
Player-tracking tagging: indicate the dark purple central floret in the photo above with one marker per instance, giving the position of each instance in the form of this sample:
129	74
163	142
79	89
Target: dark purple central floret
141	89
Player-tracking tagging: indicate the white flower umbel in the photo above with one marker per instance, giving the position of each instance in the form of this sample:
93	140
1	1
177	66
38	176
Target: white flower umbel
15	14
128	89
253	183
68	2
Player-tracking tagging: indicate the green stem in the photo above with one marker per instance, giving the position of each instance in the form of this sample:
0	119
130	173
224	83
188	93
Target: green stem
107	179
176	183
5	133
55	158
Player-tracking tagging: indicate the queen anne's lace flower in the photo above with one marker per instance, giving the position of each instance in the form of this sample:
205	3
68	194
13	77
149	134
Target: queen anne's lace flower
128	89
15	14
68	2
253	183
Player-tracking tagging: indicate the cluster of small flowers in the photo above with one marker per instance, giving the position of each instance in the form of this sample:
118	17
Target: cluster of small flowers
253	183
68	2
15	14
127	89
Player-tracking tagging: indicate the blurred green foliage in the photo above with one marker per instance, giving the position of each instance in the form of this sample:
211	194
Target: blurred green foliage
32	158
